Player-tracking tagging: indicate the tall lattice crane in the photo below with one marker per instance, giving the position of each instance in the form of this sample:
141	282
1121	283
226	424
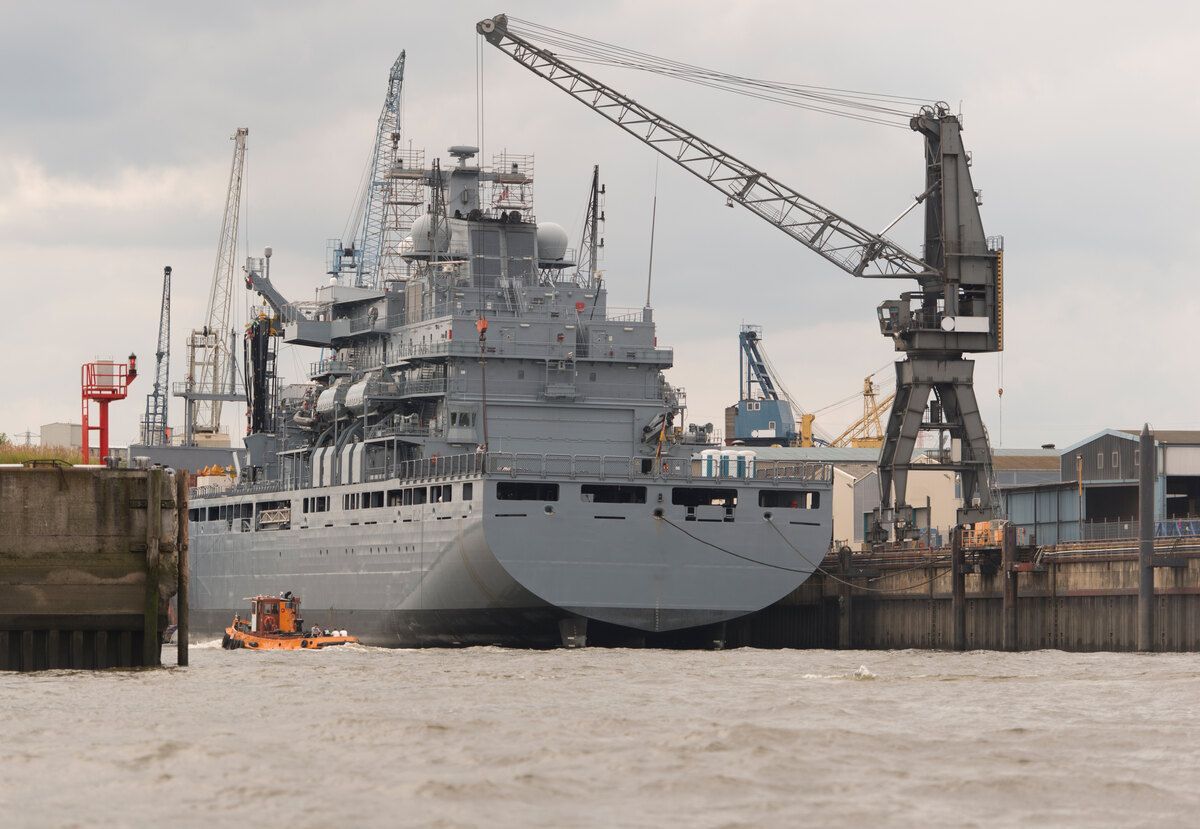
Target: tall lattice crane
212	369
392	199
955	309
155	431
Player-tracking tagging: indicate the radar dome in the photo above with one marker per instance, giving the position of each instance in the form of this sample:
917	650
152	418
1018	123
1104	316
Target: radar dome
422	236
551	242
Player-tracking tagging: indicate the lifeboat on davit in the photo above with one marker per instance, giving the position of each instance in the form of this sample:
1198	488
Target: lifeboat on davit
275	625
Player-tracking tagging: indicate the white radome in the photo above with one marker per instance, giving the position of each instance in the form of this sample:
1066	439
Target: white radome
422	236
551	241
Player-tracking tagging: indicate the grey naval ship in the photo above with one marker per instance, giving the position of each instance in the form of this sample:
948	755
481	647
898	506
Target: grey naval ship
487	452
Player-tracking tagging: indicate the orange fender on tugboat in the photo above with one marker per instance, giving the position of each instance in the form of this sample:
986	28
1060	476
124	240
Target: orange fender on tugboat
275	625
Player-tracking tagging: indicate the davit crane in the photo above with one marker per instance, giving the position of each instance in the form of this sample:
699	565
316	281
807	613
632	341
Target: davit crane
956	308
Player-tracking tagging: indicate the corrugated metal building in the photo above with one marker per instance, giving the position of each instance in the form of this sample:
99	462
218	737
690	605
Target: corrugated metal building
1098	493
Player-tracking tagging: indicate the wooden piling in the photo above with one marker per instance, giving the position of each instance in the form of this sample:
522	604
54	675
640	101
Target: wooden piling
1145	603
845	601
958	590
151	646
52	649
1008	562
100	649
78	660
181	546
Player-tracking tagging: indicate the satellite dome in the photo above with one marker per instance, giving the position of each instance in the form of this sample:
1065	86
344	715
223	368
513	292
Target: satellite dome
422	236
551	242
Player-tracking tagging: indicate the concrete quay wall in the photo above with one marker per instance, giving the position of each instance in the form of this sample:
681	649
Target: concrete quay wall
1073	599
89	558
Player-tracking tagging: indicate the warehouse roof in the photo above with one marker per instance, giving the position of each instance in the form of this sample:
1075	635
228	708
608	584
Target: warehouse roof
1186	437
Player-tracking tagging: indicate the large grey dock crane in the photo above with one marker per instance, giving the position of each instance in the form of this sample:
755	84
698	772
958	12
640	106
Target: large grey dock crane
955	309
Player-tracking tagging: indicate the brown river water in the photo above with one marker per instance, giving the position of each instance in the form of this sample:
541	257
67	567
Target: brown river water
594	738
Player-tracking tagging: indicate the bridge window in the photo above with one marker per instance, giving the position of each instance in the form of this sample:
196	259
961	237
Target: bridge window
788	499
612	494
468	492
526	491
696	496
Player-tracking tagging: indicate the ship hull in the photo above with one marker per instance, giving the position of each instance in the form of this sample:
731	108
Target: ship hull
505	572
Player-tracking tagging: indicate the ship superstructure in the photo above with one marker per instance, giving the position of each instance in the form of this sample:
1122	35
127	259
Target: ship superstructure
487	452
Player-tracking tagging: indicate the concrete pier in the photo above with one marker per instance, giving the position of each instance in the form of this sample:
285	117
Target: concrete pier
89	558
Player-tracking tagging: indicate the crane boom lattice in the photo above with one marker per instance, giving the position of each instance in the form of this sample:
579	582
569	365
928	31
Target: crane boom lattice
155	431
212	367
852	248
392	200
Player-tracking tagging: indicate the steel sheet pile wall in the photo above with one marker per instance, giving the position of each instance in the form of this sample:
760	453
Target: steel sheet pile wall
88	561
1075	600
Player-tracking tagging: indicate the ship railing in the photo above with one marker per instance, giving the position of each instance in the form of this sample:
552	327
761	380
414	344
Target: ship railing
529	351
552	466
615	314
389	429
631	468
813	471
429	385
435	466
331	365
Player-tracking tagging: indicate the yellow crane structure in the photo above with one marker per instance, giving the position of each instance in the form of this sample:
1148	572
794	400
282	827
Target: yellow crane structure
864	433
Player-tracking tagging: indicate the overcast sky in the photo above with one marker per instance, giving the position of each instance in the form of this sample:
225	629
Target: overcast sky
1083	119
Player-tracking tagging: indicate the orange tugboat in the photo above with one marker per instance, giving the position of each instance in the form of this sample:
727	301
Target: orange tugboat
275	625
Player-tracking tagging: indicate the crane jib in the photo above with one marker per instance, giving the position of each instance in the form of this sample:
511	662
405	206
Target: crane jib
852	248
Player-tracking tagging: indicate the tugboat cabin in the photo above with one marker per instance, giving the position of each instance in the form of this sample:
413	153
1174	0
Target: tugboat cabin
275	614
